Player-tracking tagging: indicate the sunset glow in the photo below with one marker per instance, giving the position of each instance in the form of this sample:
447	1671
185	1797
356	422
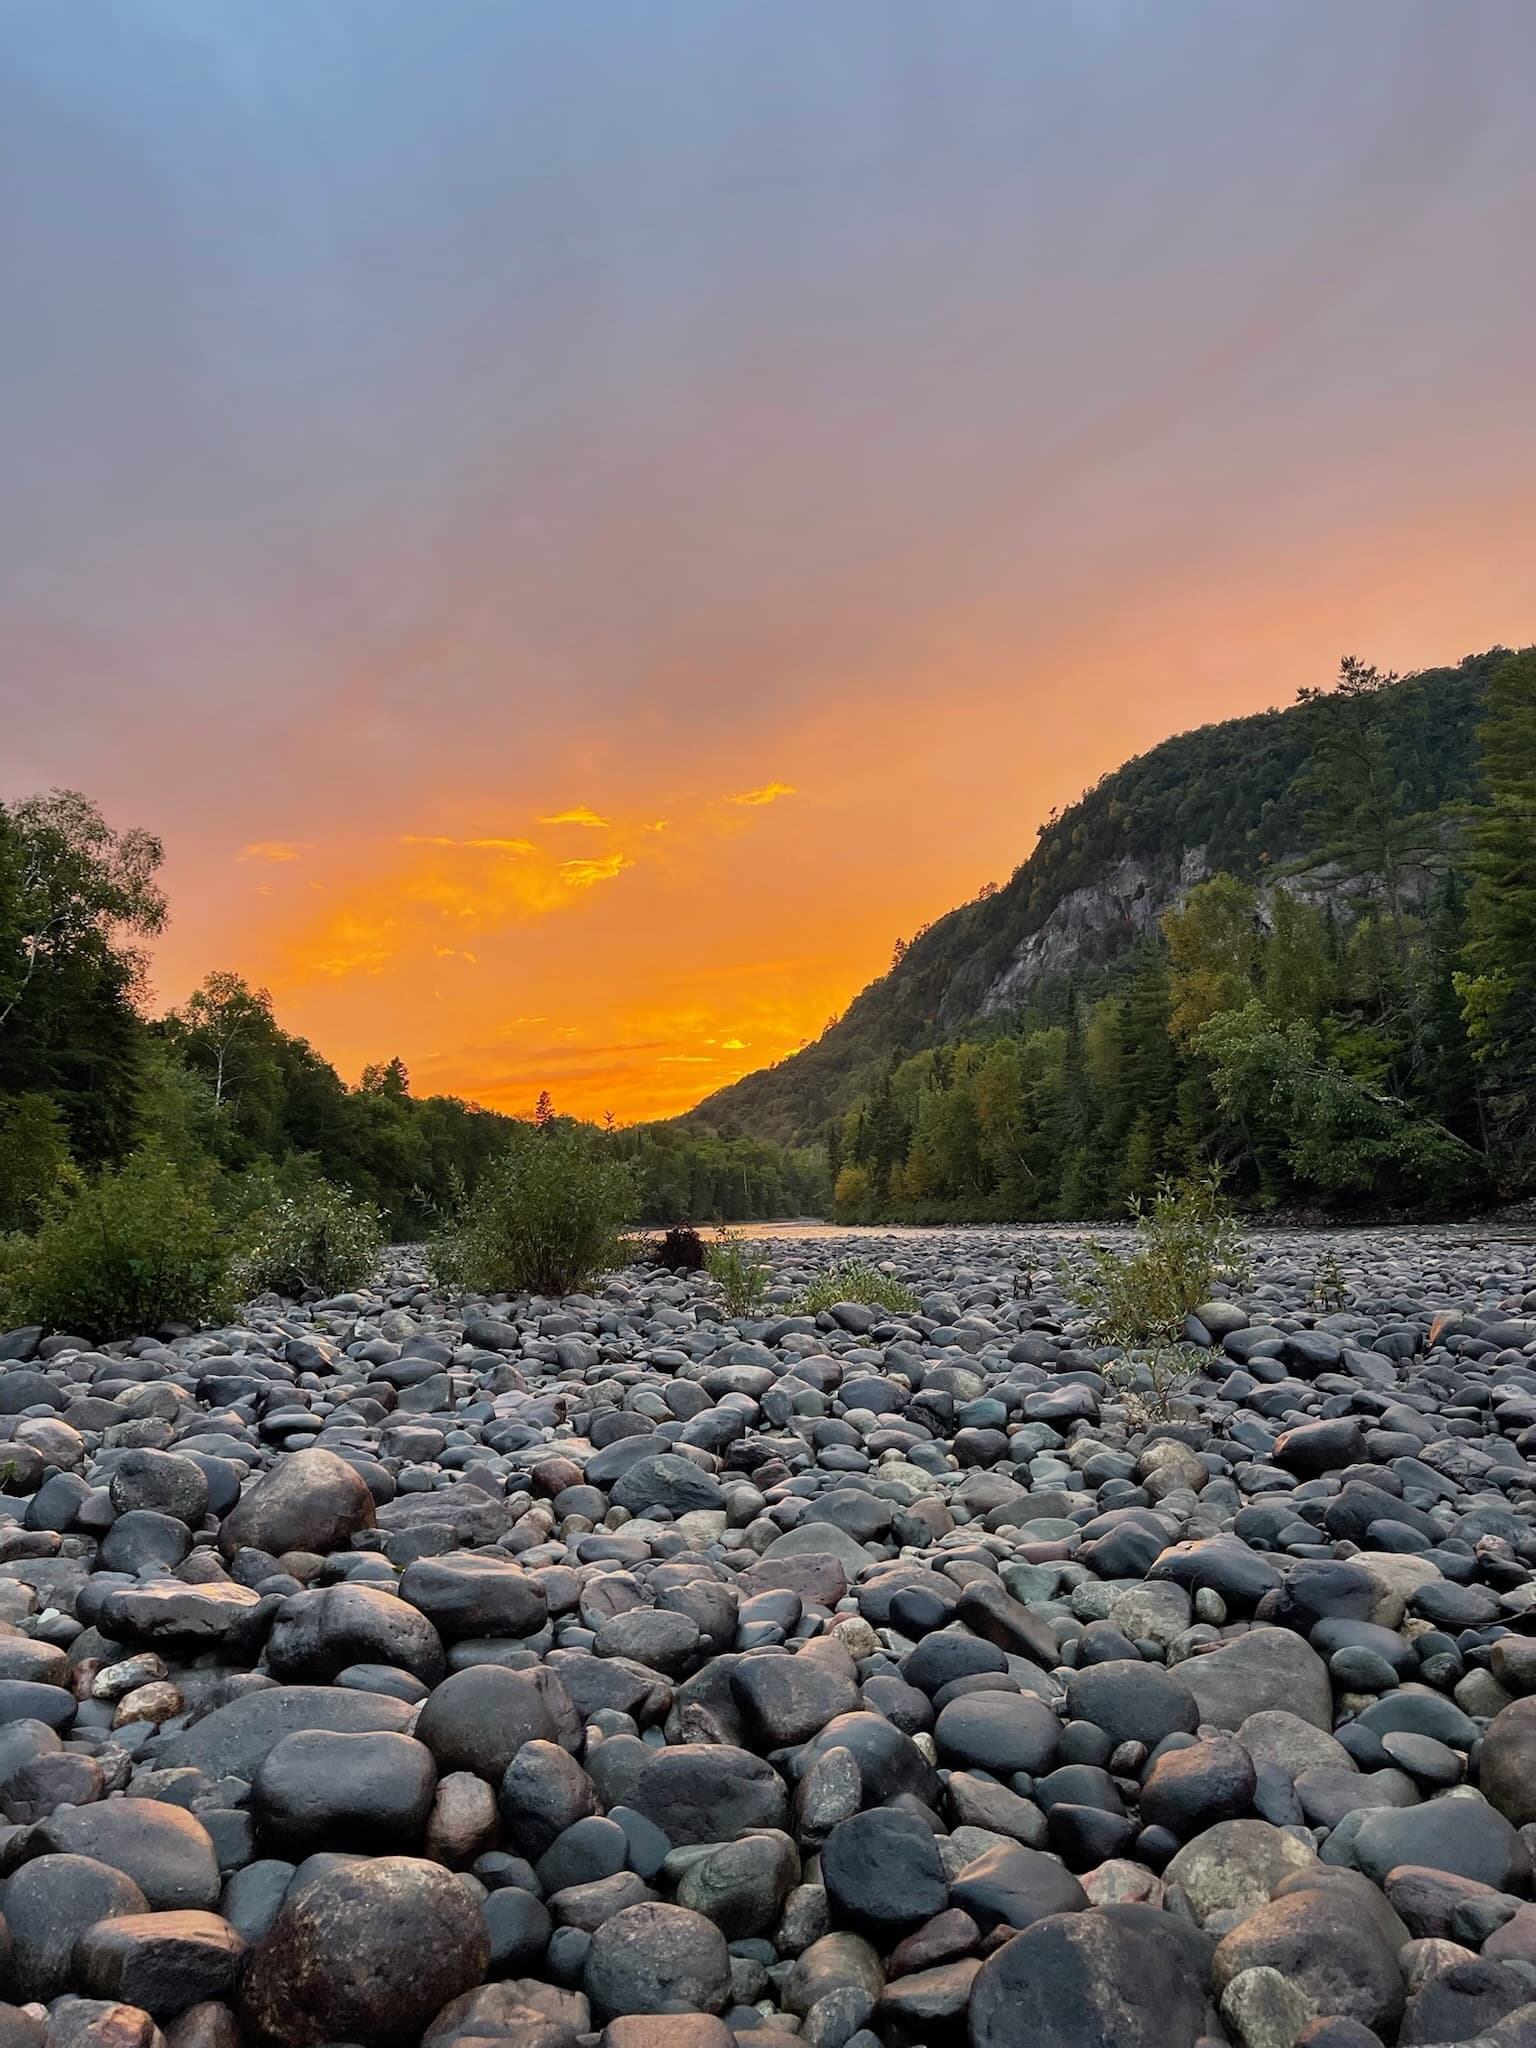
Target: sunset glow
579	539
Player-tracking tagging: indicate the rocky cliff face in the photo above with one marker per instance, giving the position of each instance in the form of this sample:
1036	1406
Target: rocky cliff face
1095	922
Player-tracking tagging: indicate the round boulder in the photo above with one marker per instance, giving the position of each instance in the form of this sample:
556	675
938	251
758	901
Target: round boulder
364	1951
655	1958
310	1500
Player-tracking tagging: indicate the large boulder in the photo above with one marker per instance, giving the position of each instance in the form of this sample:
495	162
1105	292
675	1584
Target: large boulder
1112	1977
366	1951
1507	1772
310	1500
657	1959
1335	1955
1267	1667
232	1740
165	1850
709	1792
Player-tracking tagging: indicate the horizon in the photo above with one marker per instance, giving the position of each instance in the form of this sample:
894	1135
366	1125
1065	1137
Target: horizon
553	531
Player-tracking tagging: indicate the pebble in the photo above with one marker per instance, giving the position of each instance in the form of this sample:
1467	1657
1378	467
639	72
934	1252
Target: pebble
400	1670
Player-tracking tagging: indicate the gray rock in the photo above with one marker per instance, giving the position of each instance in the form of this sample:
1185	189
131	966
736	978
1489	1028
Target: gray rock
654	1958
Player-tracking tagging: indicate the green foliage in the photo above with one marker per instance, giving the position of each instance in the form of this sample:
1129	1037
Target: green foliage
854	1280
1330	1290
681	1172
320	1237
545	1218
742	1280
1186	1239
1498	986
1333	1133
35	1166
136	1247
74	896
1150	1381
1214	954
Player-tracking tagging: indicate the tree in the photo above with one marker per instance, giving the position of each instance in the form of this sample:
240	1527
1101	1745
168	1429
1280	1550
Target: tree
1299	977
544	1110
1214	953
70	884
1498	986
1338	1137
74	895
1359	801
34	1160
387	1077
222	1019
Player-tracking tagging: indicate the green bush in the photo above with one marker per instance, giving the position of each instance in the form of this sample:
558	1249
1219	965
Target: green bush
741	1279
128	1251
319	1237
854	1280
543	1219
1185	1241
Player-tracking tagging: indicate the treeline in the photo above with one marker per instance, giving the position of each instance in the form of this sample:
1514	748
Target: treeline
222	1092
693	1176
1360	1032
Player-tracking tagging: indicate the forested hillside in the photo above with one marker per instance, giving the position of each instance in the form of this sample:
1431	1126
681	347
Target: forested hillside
1292	944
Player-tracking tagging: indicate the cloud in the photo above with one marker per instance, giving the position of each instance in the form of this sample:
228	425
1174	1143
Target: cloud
581	874
733	1045
520	847
274	850
351	945
768	794
579	816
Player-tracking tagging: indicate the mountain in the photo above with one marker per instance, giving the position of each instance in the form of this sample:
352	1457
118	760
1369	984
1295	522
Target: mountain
1225	797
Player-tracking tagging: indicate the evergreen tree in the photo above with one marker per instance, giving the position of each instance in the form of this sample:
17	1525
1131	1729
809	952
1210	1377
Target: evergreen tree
1498	986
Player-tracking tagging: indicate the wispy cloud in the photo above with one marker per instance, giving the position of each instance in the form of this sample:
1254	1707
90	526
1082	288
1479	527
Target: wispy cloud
768	794
352	945
579	816
273	850
581	874
519	847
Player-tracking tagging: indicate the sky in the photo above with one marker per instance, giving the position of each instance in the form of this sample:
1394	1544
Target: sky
580	526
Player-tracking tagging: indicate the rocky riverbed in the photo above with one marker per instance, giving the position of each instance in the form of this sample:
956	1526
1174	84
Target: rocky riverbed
388	1669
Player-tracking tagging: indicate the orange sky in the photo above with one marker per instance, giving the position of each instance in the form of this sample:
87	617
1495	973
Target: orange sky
579	541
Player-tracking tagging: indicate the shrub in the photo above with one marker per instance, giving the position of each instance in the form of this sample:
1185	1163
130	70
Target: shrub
851	1191
1330	1289
854	1280
320	1237
128	1251
741	1279
681	1248
1184	1241
543	1219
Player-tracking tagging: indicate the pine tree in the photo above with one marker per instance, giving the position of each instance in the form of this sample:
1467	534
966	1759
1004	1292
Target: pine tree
1498	986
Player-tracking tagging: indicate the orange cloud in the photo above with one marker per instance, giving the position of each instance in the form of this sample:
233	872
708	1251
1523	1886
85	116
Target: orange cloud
581	874
768	794
516	847
274	850
579	816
